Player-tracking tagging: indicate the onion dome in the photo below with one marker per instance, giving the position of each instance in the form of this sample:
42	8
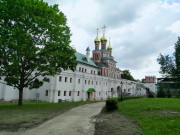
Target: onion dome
96	39
109	48
103	38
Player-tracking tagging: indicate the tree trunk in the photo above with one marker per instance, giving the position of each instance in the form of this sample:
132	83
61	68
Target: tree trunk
20	102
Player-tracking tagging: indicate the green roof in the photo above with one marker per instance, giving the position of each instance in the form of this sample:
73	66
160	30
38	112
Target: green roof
101	64
82	59
105	58
90	90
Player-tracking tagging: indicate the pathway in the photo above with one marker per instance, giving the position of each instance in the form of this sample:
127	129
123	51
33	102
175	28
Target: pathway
77	121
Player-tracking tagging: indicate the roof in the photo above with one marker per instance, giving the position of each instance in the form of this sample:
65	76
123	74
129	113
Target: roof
105	58
101	65
91	90
88	49
82	59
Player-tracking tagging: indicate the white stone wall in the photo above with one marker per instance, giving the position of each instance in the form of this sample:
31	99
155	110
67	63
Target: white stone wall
76	85
151	86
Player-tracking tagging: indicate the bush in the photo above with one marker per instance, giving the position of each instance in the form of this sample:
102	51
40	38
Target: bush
150	95
111	104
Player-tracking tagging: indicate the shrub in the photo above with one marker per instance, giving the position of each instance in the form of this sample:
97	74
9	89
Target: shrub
150	95
111	104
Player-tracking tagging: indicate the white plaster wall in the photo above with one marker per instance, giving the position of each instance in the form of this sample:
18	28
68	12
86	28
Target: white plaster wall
151	86
10	93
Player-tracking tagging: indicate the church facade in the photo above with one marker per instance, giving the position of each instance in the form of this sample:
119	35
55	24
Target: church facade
95	78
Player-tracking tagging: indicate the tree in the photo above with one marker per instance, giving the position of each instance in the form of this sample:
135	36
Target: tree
177	61
160	92
34	43
127	75
167	65
168	93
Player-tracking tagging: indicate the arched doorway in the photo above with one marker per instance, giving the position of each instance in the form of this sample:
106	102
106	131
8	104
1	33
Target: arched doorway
112	92
118	91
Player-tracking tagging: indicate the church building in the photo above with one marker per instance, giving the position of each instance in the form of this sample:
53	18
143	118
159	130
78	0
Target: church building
95	78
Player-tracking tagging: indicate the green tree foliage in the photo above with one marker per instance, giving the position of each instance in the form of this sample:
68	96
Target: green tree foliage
161	92
34	43
167	65
177	60
127	75
170	65
168	93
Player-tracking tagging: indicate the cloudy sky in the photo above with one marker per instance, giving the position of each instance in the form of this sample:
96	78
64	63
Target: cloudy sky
139	29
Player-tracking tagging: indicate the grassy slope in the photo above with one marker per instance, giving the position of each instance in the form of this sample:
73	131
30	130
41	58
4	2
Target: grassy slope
147	112
31	112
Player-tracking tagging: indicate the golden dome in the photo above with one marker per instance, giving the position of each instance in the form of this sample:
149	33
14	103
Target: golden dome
96	39
109	48
103	38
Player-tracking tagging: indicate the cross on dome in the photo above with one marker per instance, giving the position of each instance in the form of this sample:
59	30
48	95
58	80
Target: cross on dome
104	29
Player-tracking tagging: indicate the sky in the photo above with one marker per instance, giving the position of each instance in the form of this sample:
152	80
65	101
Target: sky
139	30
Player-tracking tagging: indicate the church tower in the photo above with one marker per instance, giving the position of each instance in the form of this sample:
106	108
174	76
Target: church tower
97	41
109	48
103	39
97	52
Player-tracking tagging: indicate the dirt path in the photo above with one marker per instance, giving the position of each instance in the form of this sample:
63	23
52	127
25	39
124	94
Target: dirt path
78	121
115	124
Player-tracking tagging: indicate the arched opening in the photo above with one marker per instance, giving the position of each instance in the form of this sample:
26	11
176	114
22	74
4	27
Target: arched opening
118	91
112	91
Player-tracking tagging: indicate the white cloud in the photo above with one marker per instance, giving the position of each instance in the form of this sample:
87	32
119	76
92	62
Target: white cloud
175	28
139	30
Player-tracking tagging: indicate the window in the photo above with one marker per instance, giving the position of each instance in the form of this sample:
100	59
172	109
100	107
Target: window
59	93
64	93
85	81
82	69
65	79
94	72
92	82
91	71
79	81
78	93
99	93
60	78
69	93
85	70
46	92
70	80
79	68
96	82
89	82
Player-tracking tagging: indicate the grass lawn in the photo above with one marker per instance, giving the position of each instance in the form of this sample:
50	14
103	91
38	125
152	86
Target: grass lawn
13	117
155	116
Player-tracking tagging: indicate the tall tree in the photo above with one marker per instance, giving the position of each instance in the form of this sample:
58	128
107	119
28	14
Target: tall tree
170	65
167	65
177	59
126	74
34	43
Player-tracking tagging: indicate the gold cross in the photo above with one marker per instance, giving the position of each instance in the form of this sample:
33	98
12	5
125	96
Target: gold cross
97	31
104	29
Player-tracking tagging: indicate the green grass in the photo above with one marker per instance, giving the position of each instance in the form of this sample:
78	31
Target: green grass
151	114
32	112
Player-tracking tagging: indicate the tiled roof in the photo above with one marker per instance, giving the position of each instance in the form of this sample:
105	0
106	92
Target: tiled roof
82	59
